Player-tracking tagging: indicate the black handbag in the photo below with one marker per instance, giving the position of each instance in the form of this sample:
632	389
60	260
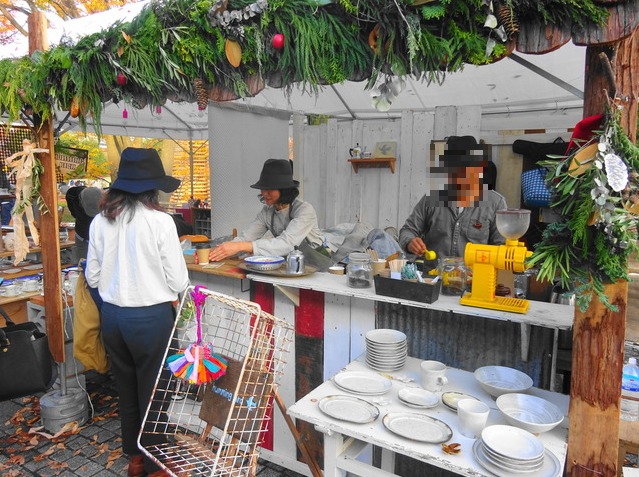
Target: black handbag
26	364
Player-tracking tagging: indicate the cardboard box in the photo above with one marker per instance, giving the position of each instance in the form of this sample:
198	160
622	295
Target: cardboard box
407	290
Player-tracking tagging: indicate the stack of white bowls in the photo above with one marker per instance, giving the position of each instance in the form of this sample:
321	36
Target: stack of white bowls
507	450
386	350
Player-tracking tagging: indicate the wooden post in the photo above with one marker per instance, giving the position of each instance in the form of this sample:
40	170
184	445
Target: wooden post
599	334
49	225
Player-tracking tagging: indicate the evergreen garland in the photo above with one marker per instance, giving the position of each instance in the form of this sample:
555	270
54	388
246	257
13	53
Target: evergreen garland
590	244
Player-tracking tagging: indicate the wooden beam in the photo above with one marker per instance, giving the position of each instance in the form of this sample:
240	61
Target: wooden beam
599	334
49	225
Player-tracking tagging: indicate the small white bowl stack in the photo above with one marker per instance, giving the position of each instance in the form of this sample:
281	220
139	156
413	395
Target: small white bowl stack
386	349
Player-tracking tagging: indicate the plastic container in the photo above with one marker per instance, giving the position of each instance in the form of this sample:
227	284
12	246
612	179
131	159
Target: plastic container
630	391
359	270
414	291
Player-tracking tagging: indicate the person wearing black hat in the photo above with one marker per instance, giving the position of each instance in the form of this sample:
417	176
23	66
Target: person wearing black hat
83	204
135	261
283	223
463	211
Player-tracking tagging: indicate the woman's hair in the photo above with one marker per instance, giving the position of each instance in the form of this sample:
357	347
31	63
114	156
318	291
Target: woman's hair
117	201
287	196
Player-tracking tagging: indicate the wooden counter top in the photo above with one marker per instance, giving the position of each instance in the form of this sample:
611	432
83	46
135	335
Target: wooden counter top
227	268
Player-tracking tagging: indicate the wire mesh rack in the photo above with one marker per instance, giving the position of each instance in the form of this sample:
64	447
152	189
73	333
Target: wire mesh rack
216	428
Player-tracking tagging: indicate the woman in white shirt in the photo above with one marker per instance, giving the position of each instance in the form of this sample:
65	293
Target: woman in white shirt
135	261
283	223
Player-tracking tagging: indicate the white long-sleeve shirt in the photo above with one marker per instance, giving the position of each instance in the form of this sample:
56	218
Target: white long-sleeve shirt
138	262
288	228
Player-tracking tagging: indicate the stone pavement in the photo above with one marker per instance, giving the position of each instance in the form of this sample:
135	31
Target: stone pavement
92	450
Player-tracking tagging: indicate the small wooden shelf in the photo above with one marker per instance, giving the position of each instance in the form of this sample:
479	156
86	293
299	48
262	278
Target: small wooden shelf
374	162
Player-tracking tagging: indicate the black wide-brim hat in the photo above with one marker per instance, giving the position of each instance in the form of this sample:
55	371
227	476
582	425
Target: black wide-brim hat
141	170
276	174
463	151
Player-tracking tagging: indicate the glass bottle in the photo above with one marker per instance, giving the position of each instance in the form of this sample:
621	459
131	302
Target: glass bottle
359	270
452	272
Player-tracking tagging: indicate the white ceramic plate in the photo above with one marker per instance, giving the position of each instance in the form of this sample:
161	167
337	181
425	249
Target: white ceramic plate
550	467
363	383
512	442
11	270
510	464
450	399
418	398
417	427
37	266
348	408
385	336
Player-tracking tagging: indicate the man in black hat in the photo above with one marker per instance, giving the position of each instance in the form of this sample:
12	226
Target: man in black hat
135	261
445	220
283	223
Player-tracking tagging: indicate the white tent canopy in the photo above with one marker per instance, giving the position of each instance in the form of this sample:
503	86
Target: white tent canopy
518	82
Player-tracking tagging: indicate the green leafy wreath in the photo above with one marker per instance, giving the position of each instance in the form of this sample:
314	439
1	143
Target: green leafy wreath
596	195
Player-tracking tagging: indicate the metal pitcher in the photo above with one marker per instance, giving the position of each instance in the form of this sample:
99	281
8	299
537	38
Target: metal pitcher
295	262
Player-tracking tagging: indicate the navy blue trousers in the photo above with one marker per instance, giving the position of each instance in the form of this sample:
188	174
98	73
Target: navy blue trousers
136	340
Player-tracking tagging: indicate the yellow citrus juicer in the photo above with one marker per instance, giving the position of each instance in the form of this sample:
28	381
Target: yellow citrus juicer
485	260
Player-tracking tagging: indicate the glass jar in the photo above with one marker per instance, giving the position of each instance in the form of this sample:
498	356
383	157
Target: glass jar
452	271
359	270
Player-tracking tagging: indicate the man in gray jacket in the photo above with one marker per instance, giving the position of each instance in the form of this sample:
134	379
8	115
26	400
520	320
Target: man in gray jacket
444	221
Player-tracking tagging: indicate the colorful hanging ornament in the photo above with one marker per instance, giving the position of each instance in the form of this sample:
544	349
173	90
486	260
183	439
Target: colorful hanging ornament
121	79
197	364
233	52
278	41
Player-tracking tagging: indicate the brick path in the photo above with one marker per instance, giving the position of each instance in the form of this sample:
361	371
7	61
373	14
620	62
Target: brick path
94	450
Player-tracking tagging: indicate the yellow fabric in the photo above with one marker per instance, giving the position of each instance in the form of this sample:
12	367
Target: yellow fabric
88	347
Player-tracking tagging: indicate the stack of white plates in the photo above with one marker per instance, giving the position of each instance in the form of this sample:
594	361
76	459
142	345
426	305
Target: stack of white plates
386	350
508	450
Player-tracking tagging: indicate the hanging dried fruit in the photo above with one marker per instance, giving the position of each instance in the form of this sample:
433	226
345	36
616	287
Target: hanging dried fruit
74	107
233	52
121	79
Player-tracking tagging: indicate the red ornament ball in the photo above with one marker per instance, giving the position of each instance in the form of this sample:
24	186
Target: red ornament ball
278	41
121	79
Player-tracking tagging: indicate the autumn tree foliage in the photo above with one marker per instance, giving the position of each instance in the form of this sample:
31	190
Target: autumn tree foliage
14	13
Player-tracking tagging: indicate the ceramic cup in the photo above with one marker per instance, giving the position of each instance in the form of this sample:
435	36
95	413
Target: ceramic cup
11	290
433	375
203	255
472	415
378	266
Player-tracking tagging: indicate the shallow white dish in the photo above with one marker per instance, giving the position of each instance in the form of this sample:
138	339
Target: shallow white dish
417	427
363	383
451	398
264	262
549	468
348	408
418	398
498	380
531	413
37	266
11	270
386	336
512	442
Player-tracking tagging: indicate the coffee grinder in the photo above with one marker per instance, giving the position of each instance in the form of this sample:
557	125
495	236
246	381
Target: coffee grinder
485	260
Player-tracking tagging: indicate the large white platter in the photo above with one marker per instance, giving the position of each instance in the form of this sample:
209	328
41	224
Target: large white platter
363	383
417	427
348	408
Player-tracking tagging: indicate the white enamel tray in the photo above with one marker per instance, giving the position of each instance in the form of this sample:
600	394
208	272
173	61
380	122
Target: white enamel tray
417	427
349	408
363	383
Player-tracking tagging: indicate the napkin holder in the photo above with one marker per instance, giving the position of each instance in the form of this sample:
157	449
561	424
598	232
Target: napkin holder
407	290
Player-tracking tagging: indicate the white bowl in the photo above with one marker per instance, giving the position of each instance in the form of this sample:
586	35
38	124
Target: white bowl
531	413
263	262
498	380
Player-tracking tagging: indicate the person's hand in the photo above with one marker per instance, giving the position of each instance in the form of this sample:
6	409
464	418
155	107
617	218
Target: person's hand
228	249
416	246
